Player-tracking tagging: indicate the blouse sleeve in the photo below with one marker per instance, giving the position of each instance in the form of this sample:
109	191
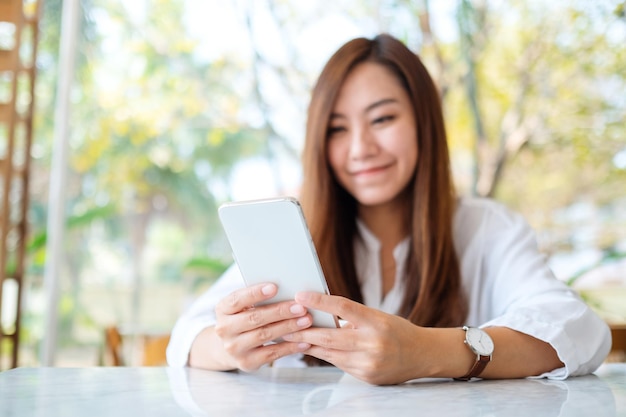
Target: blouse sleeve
519	291
200	315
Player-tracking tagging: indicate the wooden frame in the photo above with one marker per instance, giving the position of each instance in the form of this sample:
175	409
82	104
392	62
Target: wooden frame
17	121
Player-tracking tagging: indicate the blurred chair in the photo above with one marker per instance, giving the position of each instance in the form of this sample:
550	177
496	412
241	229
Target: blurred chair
113	346
151	348
618	349
153	352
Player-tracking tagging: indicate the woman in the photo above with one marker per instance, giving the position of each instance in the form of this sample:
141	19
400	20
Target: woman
407	262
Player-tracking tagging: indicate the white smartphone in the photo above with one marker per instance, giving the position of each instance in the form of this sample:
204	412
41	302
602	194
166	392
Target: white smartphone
271	242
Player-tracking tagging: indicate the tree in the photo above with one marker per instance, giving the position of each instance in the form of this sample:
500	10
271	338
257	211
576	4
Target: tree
533	120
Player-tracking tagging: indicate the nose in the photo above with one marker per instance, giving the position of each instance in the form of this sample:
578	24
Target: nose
362	144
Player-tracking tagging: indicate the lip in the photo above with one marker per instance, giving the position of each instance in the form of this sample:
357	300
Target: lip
361	172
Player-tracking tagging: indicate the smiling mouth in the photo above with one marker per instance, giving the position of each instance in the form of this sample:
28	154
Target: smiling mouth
369	171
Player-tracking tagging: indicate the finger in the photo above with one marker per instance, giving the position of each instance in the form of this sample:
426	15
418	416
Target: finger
244	343
349	310
352	363
268	354
243	298
264	335
257	318
336	339
338	358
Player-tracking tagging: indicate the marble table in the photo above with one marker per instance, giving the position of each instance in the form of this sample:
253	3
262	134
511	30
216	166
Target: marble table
154	391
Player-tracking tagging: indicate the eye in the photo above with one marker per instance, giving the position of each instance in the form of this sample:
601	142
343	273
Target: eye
383	119
334	130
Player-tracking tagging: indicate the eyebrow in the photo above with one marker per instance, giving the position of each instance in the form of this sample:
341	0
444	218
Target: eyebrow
369	108
380	103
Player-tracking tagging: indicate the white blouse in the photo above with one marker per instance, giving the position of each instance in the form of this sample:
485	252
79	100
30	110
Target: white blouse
505	277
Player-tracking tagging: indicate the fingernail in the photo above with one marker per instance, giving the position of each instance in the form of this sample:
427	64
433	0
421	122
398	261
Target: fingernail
296	309
302	296
304	346
288	337
304	321
268	289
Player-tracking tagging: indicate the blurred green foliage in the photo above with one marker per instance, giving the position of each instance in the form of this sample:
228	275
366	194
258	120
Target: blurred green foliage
534	95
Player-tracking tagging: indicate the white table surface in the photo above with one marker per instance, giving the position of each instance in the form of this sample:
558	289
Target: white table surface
146	391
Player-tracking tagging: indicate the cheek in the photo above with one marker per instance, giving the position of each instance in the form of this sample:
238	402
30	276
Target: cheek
402	142
409	146
413	153
335	156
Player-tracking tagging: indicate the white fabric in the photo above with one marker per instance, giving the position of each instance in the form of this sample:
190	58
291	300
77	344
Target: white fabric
505	277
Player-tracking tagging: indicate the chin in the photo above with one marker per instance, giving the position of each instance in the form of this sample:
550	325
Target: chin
384	196
369	200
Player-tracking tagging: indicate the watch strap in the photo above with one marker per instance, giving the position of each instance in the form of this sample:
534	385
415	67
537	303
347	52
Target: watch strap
477	369
481	360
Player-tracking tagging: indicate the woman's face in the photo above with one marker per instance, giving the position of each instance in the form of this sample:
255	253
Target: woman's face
372	139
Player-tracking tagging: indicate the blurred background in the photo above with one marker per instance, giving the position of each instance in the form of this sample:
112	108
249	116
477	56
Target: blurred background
177	106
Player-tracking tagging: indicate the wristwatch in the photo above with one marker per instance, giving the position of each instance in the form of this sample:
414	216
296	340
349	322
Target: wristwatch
481	344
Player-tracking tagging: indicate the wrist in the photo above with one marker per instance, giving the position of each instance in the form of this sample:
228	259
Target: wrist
446	355
480	344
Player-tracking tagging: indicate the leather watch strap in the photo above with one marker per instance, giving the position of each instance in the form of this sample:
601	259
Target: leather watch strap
477	369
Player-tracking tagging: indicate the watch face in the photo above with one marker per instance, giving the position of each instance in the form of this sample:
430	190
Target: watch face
479	341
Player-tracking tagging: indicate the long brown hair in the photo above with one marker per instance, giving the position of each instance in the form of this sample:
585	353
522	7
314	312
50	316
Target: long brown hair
434	296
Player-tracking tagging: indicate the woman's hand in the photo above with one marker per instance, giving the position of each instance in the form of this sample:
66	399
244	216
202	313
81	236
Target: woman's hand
373	346
381	348
245	332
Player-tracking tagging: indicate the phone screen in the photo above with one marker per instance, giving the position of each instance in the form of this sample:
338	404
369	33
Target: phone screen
271	242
